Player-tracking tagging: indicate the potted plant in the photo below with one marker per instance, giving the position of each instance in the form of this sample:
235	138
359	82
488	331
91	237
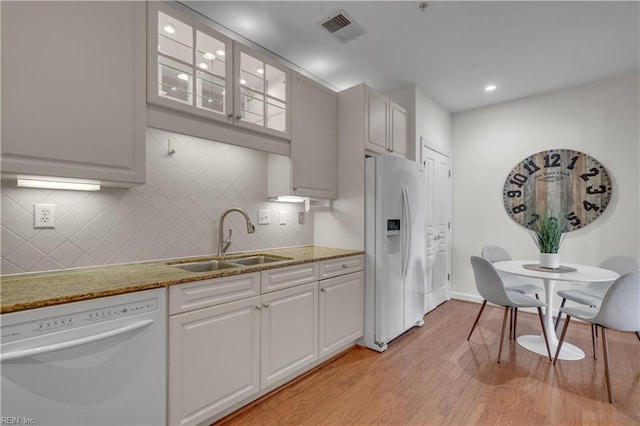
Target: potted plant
548	233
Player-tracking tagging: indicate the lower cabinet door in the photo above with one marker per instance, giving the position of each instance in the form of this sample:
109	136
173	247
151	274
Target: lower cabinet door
341	312
289	332
214	359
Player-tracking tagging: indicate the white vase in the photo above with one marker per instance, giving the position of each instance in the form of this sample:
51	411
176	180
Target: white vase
550	260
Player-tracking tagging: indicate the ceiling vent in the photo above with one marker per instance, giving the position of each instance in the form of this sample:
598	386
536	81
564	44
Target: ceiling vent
342	26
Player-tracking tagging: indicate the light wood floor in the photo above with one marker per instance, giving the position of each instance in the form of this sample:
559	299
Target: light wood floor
433	375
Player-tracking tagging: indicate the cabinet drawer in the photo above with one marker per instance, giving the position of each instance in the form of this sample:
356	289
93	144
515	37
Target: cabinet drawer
343	265
277	279
200	294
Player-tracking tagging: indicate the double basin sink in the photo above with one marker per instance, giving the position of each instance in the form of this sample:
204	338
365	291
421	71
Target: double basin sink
227	263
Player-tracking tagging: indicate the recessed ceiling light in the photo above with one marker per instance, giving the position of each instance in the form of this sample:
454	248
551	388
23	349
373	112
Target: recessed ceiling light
243	81
260	71
209	55
183	76
223	92
174	89
490	88
168	28
209	100
220	52
203	65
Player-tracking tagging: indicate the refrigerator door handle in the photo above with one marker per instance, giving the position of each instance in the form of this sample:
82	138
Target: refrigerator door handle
406	243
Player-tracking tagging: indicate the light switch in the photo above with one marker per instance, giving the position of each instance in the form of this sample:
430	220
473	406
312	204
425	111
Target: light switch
264	217
283	217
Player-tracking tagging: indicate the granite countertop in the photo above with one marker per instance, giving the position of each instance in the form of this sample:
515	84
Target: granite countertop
37	290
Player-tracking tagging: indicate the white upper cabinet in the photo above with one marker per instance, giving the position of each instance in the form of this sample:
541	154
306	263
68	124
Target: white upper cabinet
398	129
370	117
377	117
194	69
189	65
314	142
73	90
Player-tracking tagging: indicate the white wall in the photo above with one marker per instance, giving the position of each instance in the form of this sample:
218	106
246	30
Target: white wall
175	214
599	119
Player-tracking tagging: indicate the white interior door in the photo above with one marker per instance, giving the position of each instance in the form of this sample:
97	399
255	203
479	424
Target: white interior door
438	196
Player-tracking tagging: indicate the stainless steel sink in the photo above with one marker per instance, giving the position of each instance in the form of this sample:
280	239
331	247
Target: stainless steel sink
256	260
206	266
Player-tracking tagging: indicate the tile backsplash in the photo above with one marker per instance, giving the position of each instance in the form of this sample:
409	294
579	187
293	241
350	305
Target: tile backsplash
175	214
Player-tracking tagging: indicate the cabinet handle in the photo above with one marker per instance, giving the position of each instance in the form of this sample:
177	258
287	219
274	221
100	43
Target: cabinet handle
229	116
295	188
345	266
258	307
266	305
324	290
238	117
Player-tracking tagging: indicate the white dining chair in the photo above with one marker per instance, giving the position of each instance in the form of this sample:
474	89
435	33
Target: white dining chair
619	310
491	288
592	294
511	282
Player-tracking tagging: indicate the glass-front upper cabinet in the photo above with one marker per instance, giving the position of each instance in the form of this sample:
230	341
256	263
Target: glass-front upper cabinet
195	69
262	92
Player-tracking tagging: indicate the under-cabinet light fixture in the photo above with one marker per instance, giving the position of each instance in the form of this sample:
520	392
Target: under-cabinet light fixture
288	199
55	184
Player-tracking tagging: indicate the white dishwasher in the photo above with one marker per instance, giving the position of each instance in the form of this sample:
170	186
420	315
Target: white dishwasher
95	362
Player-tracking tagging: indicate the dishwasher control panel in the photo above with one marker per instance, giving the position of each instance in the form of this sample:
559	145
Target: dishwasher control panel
55	323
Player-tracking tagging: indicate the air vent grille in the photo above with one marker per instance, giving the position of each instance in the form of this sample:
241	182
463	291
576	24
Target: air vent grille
342	26
336	23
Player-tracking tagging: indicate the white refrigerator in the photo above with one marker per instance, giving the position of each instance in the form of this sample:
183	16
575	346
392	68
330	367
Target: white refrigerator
395	248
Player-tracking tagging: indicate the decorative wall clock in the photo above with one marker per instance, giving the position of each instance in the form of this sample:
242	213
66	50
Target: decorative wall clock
562	181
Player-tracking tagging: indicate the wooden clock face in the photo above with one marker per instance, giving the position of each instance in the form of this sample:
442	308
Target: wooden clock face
561	181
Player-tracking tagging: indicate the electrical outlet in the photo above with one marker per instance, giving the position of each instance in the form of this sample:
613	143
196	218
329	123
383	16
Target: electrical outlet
300	218
44	215
264	217
283	217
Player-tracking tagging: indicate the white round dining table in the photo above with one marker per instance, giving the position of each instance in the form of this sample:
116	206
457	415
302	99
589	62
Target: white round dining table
582	274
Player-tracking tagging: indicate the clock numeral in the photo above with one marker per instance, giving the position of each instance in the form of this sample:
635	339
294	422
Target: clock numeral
590	206
574	160
514	193
531	167
592	172
573	219
601	190
534	218
552	160
518	209
518	180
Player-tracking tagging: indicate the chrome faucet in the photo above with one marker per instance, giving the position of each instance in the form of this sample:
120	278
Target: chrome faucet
224	243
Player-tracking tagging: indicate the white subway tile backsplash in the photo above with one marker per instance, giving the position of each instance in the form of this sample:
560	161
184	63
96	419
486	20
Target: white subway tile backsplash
175	214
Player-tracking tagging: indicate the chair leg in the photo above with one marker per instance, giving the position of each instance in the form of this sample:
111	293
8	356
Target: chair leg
564	331
515	322
544	333
638	334
504	323
510	324
560	313
594	334
484	303
605	349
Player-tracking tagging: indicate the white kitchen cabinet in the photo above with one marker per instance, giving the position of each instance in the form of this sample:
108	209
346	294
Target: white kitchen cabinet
214	359
377	119
341	303
73	90
314	141
398	129
373	120
289	332
196	70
